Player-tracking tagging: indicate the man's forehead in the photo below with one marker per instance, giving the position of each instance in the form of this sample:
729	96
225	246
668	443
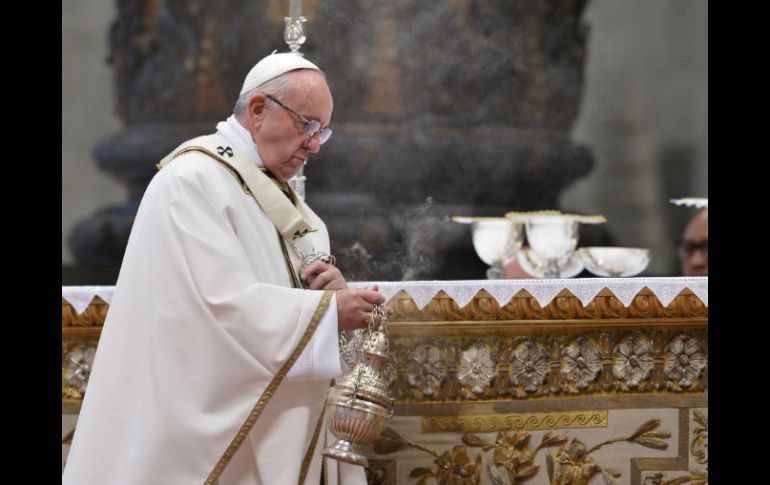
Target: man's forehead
310	94
697	230
306	82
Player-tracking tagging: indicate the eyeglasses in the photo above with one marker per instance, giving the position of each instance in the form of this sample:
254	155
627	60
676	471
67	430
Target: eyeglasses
688	248
312	127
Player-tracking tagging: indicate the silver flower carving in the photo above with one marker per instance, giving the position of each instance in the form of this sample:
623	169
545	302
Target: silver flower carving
477	368
426	369
529	365
684	360
78	363
633	360
581	362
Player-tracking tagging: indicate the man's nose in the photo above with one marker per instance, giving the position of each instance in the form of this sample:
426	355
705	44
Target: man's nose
698	258
313	144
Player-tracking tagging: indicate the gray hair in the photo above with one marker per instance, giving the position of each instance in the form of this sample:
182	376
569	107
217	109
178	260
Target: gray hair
274	87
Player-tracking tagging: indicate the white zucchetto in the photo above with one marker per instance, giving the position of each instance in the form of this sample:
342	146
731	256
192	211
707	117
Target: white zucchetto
273	66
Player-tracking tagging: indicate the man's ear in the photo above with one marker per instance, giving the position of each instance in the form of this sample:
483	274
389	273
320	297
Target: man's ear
256	108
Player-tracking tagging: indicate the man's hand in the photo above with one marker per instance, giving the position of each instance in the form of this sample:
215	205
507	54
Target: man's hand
323	276
354	306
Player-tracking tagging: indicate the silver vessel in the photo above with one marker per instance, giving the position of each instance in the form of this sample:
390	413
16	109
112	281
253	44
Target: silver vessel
358	406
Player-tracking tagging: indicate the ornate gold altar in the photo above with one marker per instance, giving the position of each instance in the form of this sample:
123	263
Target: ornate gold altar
601	381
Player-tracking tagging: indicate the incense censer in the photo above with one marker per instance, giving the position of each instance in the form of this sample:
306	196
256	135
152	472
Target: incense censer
359	404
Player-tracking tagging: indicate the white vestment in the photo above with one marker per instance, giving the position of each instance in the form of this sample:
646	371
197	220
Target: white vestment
197	338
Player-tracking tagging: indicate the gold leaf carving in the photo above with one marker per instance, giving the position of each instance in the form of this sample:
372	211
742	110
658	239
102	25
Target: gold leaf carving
524	306
92	316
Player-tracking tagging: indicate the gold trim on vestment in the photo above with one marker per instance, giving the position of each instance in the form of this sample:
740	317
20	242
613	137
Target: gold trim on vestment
309	453
295	280
324	463
216	157
251	420
282	186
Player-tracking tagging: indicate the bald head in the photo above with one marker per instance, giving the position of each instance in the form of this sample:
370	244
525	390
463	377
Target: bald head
693	251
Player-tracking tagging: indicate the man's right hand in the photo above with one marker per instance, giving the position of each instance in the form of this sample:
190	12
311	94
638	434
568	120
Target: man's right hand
354	306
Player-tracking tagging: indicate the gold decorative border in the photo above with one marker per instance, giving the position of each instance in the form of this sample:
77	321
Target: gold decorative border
251	420
553	404
482	423
498	344
444	324
684	308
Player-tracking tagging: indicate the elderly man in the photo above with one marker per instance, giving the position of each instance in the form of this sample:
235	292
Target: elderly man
694	247
221	338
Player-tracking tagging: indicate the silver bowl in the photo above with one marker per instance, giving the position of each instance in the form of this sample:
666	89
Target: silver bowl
533	265
615	261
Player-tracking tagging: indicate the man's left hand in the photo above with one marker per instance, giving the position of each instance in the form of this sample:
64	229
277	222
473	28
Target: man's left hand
323	276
